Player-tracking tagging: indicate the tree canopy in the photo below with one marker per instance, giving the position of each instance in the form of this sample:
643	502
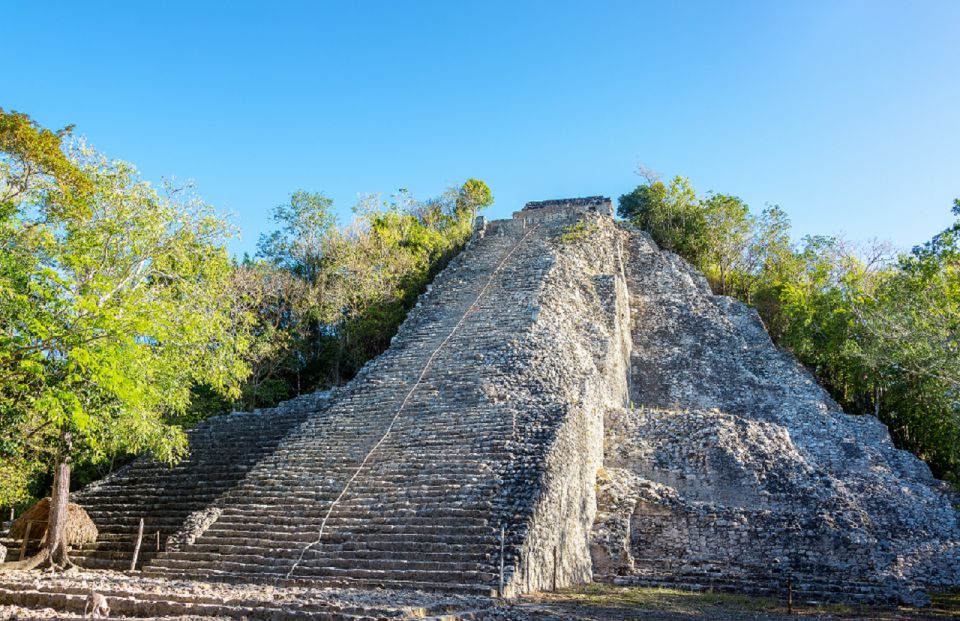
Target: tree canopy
123	320
112	305
881	330
328	298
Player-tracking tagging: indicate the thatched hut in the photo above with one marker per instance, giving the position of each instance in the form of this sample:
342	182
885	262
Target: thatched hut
80	528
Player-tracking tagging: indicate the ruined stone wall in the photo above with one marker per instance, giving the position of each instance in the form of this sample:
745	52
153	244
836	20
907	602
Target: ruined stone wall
575	356
734	469
566	208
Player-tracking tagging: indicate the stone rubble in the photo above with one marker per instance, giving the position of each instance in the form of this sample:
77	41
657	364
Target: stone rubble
193	527
133	595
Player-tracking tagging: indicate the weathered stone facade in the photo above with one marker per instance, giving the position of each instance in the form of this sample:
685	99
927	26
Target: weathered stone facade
585	395
588	204
576	355
566	208
734	469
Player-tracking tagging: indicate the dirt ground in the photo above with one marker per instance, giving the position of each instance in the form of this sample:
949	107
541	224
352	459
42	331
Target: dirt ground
598	602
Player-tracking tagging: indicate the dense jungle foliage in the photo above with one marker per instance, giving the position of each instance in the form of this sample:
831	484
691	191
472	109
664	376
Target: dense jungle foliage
879	328
123	319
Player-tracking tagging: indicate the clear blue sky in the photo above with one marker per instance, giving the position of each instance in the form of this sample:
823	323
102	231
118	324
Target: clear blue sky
847	114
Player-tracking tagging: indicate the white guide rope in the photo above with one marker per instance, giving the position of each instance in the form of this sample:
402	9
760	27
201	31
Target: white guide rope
403	404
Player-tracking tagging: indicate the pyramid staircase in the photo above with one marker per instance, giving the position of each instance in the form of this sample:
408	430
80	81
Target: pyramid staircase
222	450
395	482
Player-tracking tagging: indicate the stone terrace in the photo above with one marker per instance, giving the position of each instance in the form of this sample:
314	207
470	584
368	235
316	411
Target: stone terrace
396	481
222	449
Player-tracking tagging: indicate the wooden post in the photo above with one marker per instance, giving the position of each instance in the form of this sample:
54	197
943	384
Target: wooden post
11	513
158	541
790	594
554	585
26	537
136	547
502	535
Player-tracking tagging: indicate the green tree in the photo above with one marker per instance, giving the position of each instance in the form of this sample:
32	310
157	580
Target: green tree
639	205
284	320
772	262
815	314
296	292
396	248
298	245
473	196
33	167
672	214
113	303
911	345
727	236
326	299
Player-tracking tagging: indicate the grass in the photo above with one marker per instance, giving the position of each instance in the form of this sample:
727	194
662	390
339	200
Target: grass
661	599
946	604
577	232
667	600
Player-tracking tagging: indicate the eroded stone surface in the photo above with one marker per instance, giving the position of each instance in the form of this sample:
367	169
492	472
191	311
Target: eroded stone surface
193	527
484	416
733	465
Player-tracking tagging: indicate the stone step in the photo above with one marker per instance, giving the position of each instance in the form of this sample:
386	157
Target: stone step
260	510
260	566
249	556
125	537
298	530
150	518
435	576
361	520
414	554
285	523
278	577
139	604
109	562
372	547
272	493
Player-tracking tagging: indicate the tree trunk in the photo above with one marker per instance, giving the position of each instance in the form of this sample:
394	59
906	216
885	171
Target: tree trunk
33	562
59	499
54	552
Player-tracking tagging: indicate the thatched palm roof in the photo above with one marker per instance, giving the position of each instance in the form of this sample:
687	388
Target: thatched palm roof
80	528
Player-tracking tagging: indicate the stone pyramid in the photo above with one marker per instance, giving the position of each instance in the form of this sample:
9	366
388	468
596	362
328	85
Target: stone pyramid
566	402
